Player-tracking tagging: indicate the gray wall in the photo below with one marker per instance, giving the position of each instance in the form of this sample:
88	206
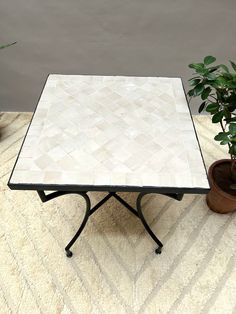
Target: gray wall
133	37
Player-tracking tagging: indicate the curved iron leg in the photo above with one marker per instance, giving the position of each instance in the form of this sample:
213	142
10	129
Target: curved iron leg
86	216
139	209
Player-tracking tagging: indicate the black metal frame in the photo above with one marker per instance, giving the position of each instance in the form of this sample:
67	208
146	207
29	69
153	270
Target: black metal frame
107	188
89	211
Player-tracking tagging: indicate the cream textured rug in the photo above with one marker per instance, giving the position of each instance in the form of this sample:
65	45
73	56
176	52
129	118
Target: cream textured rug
114	268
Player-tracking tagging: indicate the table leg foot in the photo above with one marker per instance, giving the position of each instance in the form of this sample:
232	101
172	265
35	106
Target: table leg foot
86	216
69	253
158	250
47	197
146	226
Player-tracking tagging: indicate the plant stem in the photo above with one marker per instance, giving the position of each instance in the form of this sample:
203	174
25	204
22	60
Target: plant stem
222	126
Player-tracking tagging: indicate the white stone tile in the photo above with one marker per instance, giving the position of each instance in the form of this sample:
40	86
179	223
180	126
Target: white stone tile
24	163
118	178
19	176
52	176
44	162
102	178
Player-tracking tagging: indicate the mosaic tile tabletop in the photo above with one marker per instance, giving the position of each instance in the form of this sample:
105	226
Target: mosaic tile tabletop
111	131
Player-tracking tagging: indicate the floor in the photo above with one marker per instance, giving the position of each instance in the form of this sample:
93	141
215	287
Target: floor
114	268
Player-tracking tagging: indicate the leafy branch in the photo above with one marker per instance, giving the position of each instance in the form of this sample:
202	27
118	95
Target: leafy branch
216	86
7	45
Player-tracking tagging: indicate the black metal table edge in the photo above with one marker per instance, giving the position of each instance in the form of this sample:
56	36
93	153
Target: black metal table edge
89	211
106	188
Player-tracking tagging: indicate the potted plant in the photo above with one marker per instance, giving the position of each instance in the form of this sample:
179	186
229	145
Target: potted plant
216	86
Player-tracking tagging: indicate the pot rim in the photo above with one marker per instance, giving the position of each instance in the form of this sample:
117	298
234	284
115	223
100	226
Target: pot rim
212	181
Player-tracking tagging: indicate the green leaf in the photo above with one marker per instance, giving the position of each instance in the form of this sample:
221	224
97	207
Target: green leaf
217	117
214	84
232	150
202	71
206	93
232	128
209	60
199	68
222	136
232	99
8	45
225	142
201	107
194	82
231	85
211	76
213	69
198	89
221	80
233	65
227	113
230	120
191	92
227	76
213	108
231	107
196	66
224	67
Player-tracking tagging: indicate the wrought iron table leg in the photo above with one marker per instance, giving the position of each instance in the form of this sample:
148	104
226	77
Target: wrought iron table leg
146	226
47	197
86	216
89	211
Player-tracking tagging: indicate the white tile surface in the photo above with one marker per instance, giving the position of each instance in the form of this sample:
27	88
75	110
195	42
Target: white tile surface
111	130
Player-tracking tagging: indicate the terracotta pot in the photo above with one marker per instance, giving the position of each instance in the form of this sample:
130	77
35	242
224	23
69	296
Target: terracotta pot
218	200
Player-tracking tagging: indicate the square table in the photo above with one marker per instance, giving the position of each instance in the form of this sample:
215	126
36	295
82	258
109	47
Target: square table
111	133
